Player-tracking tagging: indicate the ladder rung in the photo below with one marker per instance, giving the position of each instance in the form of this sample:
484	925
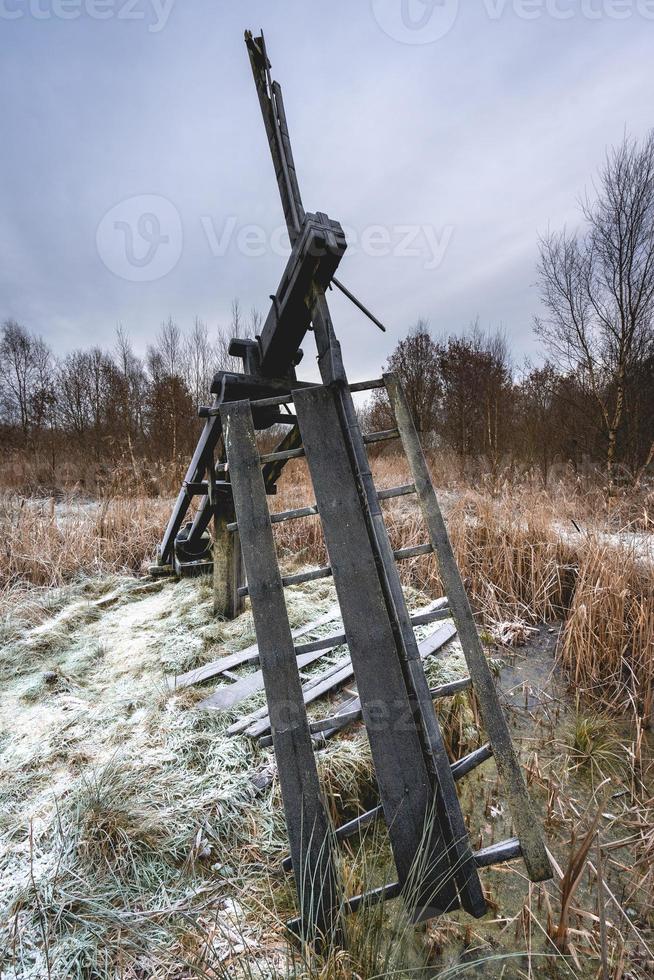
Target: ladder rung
284	454
326	571
298	453
288	398
396	491
368	385
506	850
422	619
460	768
381	436
284	515
311	576
291	515
345	718
272	401
419	549
447	690
197	489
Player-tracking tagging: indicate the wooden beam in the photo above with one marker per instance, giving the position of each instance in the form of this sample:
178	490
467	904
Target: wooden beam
400	769
248	655
306	820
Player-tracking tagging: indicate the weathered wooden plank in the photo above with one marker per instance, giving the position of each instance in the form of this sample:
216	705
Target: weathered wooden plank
314	258
334	677
227	563
306	820
244	687
405	787
248	655
526	826
339	674
338	638
448	810
426	647
197	467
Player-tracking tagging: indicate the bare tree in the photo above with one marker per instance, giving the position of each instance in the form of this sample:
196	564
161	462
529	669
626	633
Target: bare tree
415	362
598	285
24	376
199	362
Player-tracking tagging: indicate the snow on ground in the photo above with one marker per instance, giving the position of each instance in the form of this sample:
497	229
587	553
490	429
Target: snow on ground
126	812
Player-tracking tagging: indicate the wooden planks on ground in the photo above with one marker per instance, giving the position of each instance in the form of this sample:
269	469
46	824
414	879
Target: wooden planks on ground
230	694
306	820
248	655
527	828
326	682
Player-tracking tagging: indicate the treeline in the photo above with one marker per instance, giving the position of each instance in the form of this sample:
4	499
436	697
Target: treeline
590	404
467	395
594	397
95	413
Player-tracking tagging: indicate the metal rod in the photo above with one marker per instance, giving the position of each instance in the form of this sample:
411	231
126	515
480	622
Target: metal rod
358	303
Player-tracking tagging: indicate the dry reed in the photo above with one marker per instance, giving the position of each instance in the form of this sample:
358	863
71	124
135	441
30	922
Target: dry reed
516	548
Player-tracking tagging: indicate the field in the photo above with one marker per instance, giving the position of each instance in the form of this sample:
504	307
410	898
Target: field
133	842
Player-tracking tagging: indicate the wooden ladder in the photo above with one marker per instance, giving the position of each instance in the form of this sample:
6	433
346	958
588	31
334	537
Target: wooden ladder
436	866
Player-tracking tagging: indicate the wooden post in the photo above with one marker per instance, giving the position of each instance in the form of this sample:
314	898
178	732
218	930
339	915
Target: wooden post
227	566
309	829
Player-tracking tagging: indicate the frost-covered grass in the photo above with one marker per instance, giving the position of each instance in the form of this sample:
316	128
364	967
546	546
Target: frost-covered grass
133	841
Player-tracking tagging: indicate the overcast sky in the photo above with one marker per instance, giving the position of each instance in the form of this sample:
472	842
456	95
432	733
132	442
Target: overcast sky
136	184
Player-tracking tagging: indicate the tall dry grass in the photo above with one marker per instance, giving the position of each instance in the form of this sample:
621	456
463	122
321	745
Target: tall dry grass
516	545
48	543
522	558
607	645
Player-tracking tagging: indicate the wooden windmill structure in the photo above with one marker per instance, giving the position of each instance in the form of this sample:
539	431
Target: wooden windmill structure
437	869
